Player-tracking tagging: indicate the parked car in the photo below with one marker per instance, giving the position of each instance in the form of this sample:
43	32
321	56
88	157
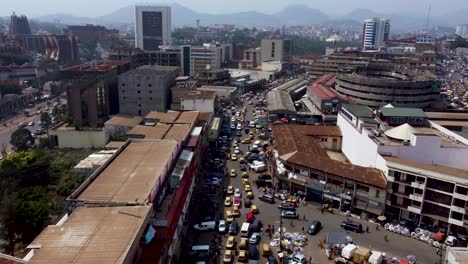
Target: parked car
243	167
222	227
233	228
205	226
289	214
247	202
237	192
267	198
351	226
286	207
254	238
314	227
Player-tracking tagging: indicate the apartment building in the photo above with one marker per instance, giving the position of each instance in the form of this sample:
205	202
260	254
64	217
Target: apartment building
203	59
276	50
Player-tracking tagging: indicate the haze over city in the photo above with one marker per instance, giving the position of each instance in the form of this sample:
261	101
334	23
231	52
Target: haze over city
332	7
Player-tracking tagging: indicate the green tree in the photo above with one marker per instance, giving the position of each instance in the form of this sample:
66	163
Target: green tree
8	222
21	139
46	120
459	42
26	168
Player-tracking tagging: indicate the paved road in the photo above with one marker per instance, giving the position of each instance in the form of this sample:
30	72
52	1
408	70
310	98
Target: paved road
397	245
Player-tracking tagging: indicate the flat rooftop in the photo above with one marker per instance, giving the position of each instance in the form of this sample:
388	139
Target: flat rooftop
150	132
179	132
131	175
123	120
445	170
162	117
187	117
152	70
102	235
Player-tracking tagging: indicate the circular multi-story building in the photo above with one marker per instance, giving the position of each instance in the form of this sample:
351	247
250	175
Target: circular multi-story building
378	86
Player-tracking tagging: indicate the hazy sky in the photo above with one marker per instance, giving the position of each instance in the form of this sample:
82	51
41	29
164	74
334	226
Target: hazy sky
91	8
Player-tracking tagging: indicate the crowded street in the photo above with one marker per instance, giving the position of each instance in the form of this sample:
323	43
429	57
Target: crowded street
234	164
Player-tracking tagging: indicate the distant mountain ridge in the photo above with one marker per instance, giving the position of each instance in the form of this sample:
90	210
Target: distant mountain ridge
290	15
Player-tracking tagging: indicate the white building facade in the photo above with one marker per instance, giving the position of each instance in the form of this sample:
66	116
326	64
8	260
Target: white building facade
375	32
152	27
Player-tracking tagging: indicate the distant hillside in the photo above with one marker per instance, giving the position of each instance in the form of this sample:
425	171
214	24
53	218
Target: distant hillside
291	15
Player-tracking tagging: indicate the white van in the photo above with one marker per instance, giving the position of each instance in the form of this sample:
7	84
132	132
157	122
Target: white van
245	230
205	226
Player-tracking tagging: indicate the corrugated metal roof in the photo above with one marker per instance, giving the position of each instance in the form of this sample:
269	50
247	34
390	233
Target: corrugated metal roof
402	112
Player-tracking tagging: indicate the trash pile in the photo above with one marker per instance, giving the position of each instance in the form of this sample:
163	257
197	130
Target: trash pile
293	242
434	239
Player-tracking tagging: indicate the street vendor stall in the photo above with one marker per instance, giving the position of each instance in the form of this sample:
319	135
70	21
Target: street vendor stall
361	255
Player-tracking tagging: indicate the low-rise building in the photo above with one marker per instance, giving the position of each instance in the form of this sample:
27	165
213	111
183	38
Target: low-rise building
91	163
119	125
308	162
64	135
202	101
280	105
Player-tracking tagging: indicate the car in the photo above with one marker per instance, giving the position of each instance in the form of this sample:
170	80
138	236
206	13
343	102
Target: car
237	201
254	209
205	226
233	156
286	207
231	242
233	173
234	144
237	192
267	198
228	201
236	150
243	167
229	217
233	227
245	182
247	203
291	201
263	183
289	214
32	123
254	150
233	126
351	226
230	190
254	238
247	188
246	141
314	227
242	257
249	195
222	227
253	252
241	160
272	260
239	133
235	211
227	257
245	175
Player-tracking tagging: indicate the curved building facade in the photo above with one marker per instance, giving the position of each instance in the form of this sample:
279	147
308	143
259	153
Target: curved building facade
375	87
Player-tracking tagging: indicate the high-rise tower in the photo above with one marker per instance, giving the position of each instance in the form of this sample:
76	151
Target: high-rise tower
152	27
375	32
19	25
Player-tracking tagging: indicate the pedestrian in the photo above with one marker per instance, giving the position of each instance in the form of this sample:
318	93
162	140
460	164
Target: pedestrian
310	259
303	229
323	207
304	218
376	226
273	227
367	229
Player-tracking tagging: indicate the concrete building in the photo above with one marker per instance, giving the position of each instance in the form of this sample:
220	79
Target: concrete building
183	86
90	33
65	135
12	103
91	163
308	161
119	125
202	101
152	27
204	59
375	32
276	50
251	59
280	105
377	86
462	30
326	99
92	91
19	25
146	89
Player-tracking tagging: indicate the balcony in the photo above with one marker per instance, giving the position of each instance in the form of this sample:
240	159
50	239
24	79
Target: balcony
458	209
390	178
416	197
454	221
414	209
400	181
419	185
460	196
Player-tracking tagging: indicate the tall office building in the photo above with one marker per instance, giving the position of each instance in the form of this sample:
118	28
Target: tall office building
276	50
375	32
19	25
462	30
152	27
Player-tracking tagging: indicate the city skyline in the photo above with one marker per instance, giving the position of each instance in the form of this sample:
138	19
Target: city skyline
331	7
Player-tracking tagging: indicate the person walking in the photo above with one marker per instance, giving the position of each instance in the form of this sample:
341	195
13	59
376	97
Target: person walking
367	229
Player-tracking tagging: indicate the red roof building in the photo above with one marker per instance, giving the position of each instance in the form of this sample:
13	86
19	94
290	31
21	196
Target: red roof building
322	94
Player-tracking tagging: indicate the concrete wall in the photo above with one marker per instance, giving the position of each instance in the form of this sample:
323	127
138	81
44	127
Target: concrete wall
85	139
202	105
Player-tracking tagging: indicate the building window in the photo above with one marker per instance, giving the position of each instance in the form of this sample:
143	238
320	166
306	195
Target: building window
149	85
377	194
151	98
138	85
123	91
335	140
138	91
139	105
123	84
362	188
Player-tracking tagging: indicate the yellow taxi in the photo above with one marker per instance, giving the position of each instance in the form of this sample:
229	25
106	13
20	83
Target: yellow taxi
230	190
228	201
233	156
233	173
253	209
244	242
227	257
251	133
246	141
229	217
245	182
248	188
242	257
235	211
291	201
231	242
250	195
241	160
245	175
